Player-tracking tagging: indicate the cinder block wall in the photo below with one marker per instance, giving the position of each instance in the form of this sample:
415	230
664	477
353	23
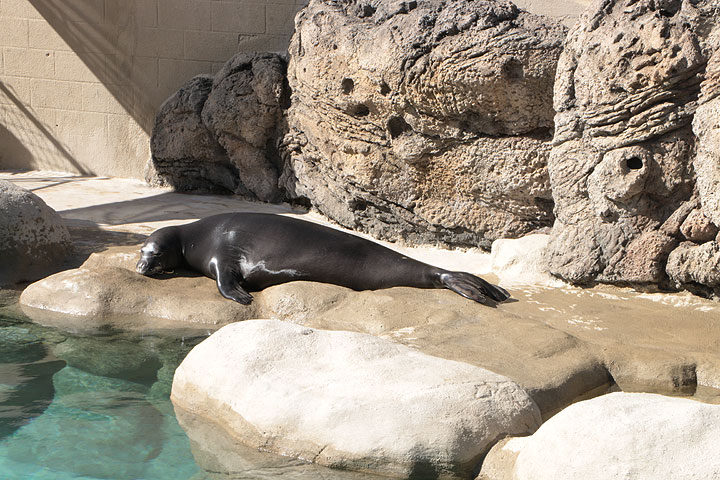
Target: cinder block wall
81	80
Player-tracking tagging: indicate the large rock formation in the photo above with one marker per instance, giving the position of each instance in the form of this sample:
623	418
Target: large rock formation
33	239
621	167
218	133
350	400
423	120
616	436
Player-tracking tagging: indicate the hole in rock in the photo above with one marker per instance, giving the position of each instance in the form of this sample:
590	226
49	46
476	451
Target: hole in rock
384	88
634	163
359	110
347	85
367	11
397	126
513	69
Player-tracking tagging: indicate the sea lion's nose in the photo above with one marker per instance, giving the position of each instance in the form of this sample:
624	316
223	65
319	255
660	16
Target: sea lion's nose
142	266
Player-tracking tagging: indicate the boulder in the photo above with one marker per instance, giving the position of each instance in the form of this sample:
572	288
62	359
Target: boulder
698	228
33	239
691	263
349	400
622	159
185	154
522	261
218	133
616	436
427	121
244	111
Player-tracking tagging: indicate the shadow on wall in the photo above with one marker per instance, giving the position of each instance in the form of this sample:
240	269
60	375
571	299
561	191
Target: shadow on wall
105	42
15	153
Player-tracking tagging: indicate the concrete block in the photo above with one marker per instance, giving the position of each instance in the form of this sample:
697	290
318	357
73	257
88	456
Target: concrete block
174	73
119	12
70	123
146	13
263	43
144	72
238	17
18	9
159	42
280	19
130	143
13	32
70	66
210	46
85	11
23	62
97	98
14	90
55	94
41	35
185	14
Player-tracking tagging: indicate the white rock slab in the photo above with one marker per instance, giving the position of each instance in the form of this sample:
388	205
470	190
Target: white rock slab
350	400
634	436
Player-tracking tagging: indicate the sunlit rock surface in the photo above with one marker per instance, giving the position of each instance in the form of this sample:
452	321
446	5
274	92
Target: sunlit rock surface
350	400
428	121
616	436
627	127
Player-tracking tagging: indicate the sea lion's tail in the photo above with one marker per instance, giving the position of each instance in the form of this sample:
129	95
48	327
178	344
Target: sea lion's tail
472	287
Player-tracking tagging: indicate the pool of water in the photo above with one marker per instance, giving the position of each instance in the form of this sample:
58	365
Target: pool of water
88	407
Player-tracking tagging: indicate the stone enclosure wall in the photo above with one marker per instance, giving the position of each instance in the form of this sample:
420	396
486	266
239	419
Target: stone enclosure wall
464	122
82	80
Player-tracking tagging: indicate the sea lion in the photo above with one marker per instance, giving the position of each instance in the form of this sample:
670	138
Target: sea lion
251	251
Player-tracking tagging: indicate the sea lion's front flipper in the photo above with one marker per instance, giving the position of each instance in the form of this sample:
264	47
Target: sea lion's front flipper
229	283
232	290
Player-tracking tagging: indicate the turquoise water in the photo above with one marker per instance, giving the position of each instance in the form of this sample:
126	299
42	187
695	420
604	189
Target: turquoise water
88	407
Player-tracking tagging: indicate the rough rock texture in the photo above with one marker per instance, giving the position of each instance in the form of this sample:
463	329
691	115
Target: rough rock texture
522	261
691	263
33	239
218	133
350	400
185	155
426	120
616	436
706	128
621	167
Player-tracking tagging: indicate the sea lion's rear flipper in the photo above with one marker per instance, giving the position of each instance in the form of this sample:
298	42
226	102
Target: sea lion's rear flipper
472	287
228	283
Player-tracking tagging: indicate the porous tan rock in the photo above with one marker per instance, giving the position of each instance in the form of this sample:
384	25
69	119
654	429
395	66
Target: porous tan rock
698	228
691	263
427	121
616	436
625	94
350	400
707	130
33	239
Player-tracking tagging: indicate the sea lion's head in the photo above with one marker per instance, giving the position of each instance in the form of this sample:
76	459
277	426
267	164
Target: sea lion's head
161	252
